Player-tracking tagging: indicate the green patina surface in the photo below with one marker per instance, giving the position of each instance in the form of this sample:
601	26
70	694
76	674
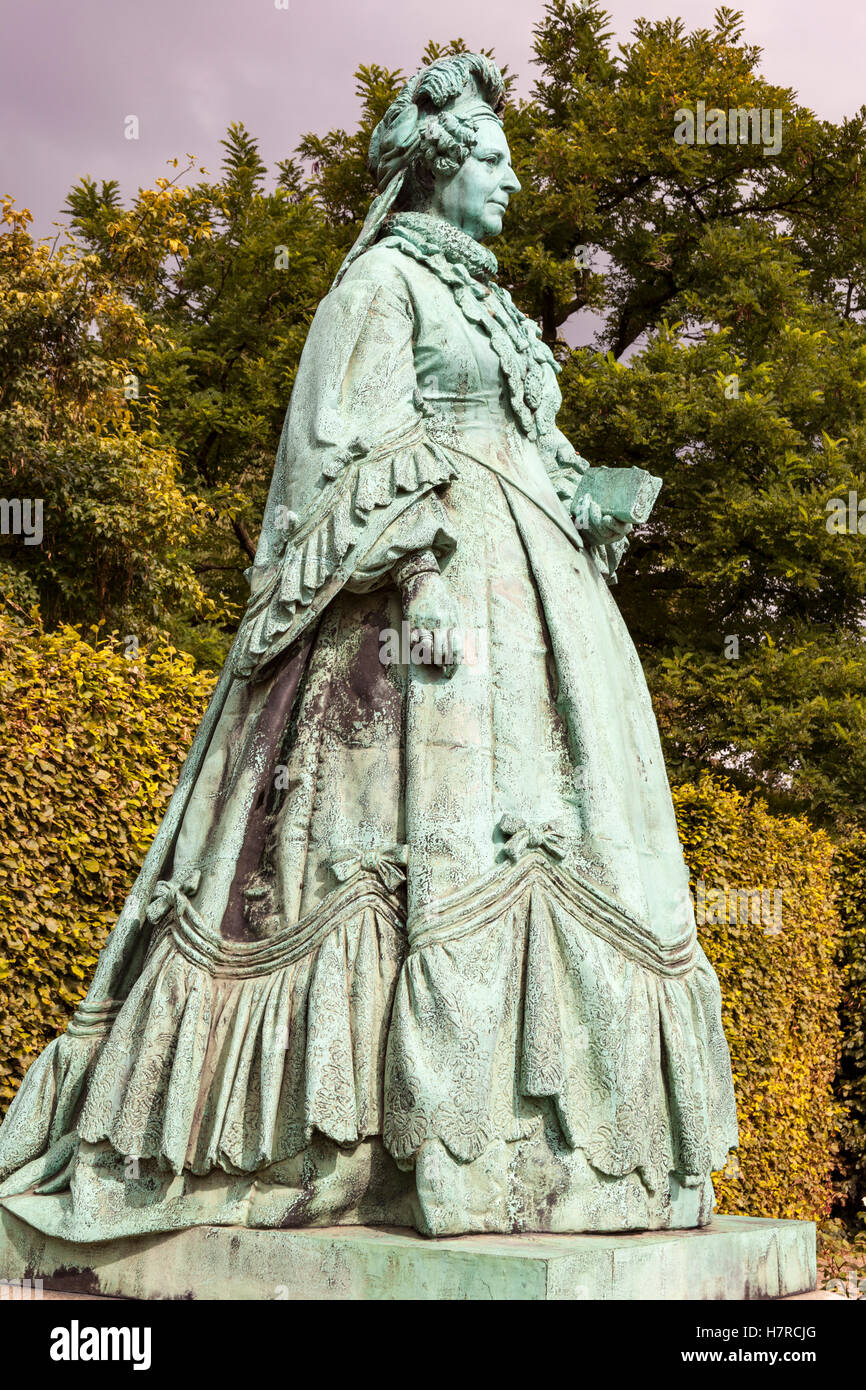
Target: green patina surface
733	1258
414	943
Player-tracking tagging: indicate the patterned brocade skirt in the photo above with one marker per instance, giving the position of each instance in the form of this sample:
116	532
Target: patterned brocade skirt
426	956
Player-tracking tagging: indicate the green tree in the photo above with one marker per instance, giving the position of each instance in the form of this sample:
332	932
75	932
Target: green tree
228	276
75	443
728	289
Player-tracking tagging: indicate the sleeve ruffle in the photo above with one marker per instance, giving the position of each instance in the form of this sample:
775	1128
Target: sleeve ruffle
424	527
607	557
356	506
565	466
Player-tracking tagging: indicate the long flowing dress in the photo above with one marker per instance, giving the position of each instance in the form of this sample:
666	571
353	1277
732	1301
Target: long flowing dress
409	949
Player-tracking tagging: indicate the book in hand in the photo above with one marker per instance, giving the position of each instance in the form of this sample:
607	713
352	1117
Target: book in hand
628	494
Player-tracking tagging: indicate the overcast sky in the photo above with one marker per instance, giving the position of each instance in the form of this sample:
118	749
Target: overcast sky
74	70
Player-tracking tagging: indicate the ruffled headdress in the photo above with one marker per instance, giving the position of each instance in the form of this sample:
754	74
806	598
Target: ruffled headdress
465	87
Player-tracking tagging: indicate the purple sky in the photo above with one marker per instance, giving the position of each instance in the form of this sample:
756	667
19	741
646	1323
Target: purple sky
73	70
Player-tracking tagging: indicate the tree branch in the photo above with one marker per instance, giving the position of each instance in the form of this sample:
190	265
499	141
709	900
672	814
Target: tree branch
244	539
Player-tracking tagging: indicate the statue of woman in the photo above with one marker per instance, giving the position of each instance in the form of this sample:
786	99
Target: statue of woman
414	944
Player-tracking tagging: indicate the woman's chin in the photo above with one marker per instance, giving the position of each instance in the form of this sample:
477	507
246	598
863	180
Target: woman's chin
492	224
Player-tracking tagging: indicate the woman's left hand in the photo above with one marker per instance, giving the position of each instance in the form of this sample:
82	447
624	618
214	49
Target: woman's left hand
598	527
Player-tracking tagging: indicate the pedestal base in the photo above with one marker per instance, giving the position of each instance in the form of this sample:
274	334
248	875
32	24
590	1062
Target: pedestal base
735	1257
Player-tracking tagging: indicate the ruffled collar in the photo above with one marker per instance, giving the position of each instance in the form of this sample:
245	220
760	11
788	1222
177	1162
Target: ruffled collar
433	234
468	269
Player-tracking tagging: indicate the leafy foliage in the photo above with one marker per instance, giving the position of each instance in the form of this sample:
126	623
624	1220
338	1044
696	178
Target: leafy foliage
781	1023
730	360
114	515
91	743
229	276
851	1078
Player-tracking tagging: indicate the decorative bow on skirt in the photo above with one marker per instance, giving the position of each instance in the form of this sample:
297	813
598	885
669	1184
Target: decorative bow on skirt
388	864
521	836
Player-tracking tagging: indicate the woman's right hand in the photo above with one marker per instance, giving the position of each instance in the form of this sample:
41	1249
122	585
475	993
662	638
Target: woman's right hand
430	609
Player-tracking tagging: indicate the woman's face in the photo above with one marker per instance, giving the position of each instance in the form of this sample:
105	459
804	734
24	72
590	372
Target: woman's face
475	198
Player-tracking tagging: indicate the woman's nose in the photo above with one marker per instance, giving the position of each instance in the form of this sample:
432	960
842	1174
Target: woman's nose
511	183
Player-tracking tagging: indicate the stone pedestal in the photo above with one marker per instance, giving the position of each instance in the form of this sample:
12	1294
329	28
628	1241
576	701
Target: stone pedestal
735	1257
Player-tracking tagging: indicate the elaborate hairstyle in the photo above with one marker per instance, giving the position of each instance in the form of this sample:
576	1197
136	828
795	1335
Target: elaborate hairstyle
429	129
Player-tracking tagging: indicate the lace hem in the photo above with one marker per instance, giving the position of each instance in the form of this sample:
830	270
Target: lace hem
233	1056
44	1105
204	1070
633	1058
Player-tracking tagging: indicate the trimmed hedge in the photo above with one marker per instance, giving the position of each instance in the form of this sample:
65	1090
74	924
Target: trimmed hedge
851	1080
91	744
781	990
